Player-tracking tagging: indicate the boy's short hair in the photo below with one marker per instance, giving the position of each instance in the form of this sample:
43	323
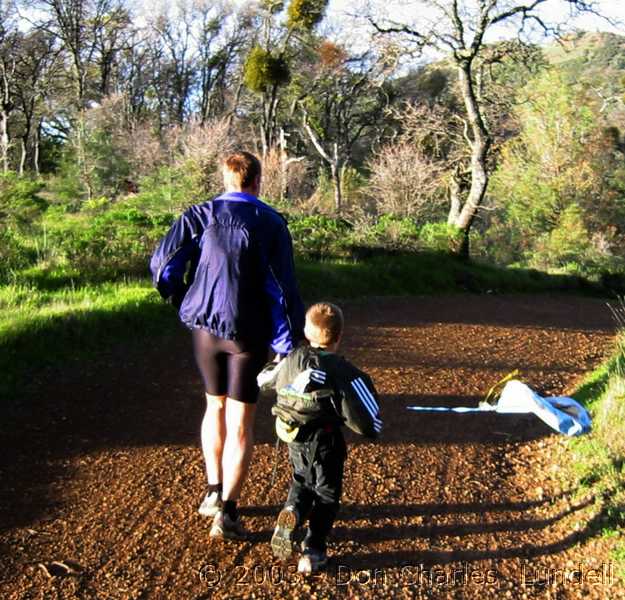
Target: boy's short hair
324	323
242	168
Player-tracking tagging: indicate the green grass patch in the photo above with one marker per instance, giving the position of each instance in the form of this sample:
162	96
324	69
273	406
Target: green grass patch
396	274
42	328
599	458
48	316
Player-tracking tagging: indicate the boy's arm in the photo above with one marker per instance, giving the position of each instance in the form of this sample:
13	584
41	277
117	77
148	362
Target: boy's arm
268	377
359	401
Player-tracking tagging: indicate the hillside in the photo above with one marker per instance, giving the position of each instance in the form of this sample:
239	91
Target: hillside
597	58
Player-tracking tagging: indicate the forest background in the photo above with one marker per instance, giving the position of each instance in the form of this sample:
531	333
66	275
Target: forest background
459	144
113	120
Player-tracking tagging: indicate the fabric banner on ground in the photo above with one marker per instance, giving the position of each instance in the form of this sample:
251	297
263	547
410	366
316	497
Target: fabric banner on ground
561	413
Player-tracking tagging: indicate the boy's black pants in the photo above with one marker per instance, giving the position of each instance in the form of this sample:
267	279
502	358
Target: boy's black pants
317	483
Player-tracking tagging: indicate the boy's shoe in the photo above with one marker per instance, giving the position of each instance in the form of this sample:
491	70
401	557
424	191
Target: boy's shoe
312	561
282	539
211	504
225	528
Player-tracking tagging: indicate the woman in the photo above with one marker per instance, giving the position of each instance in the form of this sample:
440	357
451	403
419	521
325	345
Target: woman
227	265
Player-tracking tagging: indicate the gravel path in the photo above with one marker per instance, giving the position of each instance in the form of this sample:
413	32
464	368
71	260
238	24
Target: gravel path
103	478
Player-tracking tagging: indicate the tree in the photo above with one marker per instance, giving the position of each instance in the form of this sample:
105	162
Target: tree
220	38
557	185
80	25
461	28
37	72
175	38
111	38
266	69
341	98
9	50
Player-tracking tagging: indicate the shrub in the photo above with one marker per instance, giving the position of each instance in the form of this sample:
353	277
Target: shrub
118	240
14	254
439	237
405	181
319	235
292	185
353	190
19	203
396	232
170	189
497	242
197	150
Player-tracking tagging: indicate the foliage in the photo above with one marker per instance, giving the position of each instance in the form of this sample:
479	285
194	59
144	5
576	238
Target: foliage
353	189
552	186
113	241
107	146
440	237
196	150
264	70
319	235
20	204
284	179
106	153
169	189
567	244
15	254
406	181
396	232
599	457
305	14
66	184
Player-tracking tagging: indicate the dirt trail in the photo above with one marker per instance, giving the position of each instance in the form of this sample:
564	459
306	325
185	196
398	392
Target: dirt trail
104	474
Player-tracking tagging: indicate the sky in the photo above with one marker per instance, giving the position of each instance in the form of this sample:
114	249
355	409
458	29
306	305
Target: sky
344	19
339	11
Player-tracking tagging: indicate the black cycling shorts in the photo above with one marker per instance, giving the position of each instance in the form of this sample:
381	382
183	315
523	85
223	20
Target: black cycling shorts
228	367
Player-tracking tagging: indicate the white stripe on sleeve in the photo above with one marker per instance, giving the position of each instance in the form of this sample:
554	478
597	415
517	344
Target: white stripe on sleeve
366	403
369	395
366	397
318	376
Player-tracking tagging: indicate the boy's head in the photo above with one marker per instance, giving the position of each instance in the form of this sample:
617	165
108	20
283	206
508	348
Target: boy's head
324	325
242	172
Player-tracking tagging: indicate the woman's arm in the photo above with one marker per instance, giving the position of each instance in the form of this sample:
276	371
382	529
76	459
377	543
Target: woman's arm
169	261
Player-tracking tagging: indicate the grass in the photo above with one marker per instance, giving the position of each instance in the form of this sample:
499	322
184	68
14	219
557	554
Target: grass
50	316
423	273
43	328
599	459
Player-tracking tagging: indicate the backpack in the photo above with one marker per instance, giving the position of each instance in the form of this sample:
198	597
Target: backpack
306	400
297	408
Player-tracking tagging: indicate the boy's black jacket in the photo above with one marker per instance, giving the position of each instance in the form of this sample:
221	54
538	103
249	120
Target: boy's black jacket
308	369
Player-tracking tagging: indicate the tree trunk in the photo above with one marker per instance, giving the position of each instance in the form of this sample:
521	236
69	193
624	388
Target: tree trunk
283	167
4	141
336	170
23	156
36	149
480	145
455	203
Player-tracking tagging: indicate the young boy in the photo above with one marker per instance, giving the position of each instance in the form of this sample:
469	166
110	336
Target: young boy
317	392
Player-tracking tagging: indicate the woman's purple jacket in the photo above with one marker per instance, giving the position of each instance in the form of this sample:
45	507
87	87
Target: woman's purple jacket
227	265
